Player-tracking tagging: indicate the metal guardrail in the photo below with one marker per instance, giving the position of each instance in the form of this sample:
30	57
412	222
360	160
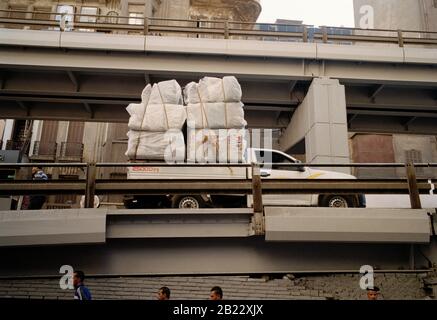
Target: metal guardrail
224	29
255	186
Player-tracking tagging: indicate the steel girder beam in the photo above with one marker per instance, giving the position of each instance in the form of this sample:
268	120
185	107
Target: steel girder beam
177	223
207	256
387	124
199	65
119	89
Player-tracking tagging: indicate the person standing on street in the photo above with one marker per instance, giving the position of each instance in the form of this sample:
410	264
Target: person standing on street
36	202
372	293
216	294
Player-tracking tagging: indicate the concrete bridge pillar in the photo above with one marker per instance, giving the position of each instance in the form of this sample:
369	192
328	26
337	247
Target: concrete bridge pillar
321	121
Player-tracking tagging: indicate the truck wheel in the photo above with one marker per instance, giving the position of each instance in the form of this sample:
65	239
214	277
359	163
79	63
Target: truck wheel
187	202
337	201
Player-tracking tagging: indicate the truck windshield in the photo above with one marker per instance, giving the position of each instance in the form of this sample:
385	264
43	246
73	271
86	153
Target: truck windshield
264	156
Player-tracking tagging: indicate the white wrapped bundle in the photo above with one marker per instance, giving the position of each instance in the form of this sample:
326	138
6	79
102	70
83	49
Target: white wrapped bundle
165	92
145	94
156	117
218	115
213	90
216	146
168	146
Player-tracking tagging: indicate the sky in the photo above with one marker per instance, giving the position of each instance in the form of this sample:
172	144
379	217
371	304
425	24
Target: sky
313	12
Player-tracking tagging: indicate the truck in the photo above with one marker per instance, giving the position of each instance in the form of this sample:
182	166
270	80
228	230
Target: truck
253	155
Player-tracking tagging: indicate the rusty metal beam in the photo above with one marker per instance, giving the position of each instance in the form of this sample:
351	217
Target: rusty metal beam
18	187
90	185
413	187
231	186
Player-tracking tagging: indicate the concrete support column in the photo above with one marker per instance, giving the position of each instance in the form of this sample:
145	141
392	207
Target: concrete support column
93	140
7	132
36	134
321	120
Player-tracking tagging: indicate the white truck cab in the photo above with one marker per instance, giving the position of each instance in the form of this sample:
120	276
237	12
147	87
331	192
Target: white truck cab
276	171
253	155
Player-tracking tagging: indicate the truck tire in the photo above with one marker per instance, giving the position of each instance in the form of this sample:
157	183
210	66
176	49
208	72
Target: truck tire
188	202
338	201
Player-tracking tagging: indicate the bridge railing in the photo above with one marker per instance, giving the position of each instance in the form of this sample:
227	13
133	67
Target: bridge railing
214	29
252	185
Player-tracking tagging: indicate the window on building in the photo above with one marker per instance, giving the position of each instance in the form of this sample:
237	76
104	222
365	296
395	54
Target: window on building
135	18
89	16
17	15
112	17
68	12
136	14
203	25
43	14
435	3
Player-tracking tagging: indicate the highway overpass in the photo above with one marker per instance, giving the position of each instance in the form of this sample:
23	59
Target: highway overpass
93	76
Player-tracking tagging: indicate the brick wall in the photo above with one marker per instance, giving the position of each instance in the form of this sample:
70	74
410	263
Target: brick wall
341	286
397	286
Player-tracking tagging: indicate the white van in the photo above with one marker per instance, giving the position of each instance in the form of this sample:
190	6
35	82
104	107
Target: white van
253	155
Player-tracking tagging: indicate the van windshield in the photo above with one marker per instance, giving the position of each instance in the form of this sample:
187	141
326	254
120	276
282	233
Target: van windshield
265	156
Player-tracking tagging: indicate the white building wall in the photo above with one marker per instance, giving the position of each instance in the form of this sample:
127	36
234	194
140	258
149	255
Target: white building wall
400	14
7	133
36	134
391	14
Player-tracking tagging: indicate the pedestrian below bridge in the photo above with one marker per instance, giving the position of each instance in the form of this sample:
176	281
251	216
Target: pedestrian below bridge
372	293
163	294
80	291
216	294
36	202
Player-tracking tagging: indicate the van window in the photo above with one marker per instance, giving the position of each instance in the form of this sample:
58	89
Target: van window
276	158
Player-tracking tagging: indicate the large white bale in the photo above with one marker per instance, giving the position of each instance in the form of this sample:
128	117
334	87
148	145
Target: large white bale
156	117
165	92
211	89
218	115
168	146
216	146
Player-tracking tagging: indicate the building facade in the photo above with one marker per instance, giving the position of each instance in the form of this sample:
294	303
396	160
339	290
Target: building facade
419	15
406	14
